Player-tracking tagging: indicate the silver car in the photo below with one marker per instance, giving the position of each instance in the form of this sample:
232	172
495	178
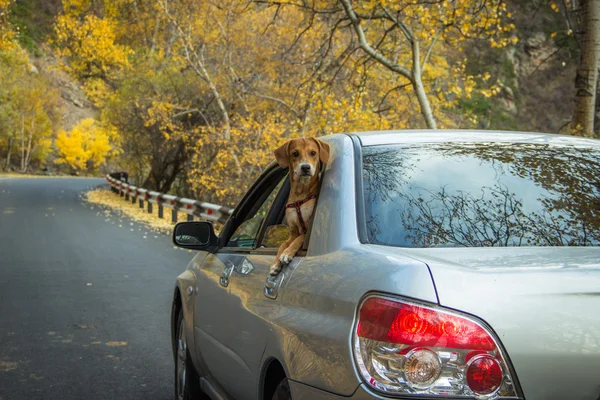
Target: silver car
439	264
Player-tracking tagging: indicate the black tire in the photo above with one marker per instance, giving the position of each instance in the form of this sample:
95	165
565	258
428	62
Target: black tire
187	382
282	392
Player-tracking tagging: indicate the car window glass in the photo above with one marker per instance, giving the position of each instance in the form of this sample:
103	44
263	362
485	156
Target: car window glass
247	232
275	235
482	195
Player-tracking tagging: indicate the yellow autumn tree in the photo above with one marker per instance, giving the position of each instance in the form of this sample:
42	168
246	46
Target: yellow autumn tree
90	45
7	32
85	147
192	85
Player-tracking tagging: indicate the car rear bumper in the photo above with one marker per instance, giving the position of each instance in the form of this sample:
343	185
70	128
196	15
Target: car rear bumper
301	391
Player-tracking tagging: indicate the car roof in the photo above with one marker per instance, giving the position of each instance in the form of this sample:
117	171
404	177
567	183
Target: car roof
421	136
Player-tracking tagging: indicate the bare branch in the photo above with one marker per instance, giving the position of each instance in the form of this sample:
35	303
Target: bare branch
197	64
426	59
370	50
275	99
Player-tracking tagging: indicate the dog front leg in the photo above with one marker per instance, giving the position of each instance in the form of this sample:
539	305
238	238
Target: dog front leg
276	267
289	253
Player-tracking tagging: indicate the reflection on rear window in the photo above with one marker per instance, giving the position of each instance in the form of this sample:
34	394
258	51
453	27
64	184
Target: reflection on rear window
482	195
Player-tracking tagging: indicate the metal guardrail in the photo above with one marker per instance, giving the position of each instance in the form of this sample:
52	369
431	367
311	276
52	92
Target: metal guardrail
206	211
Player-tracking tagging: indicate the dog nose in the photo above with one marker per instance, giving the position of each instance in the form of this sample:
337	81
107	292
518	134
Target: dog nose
305	168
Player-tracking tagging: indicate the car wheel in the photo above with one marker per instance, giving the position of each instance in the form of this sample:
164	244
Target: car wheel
282	392
187	384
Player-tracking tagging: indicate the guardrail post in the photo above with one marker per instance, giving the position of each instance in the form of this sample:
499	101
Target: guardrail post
212	212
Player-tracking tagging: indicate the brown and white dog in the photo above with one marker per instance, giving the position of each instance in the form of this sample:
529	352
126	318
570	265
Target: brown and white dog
303	158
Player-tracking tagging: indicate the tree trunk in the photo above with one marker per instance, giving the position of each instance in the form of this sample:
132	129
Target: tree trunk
22	142
28	152
587	73
417	83
164	170
597	116
413	75
10	143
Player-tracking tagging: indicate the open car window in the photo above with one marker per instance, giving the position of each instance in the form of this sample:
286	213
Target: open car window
276	230
247	232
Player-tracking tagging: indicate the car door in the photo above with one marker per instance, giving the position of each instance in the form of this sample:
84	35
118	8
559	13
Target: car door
254	297
218	328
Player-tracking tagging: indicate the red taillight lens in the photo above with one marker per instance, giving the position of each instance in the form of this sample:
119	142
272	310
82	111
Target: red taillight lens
393	322
405	348
484	375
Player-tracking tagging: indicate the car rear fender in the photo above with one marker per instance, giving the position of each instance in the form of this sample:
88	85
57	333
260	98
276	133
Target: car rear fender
311	327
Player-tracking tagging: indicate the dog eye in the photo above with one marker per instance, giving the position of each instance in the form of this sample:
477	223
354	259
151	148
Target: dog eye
313	153
295	154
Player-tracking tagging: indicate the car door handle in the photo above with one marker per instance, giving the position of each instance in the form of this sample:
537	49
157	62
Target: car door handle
272	285
224	280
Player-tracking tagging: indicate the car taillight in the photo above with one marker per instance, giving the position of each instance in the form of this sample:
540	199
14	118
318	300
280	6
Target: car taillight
405	348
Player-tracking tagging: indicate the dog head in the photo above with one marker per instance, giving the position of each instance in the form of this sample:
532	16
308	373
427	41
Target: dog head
302	156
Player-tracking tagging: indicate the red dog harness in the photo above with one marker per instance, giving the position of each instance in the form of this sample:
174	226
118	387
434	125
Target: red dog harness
297	205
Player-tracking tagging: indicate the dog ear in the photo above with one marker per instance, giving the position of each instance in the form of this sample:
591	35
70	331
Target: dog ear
324	150
282	156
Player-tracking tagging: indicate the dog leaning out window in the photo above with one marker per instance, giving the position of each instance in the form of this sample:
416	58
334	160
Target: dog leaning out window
303	157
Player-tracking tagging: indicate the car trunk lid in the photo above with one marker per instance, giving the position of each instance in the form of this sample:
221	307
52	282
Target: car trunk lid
543	303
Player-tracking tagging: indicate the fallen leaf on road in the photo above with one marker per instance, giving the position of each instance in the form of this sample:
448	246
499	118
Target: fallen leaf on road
6	366
89	283
83	326
116	344
96	342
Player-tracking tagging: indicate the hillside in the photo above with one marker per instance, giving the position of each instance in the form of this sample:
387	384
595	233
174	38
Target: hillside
180	101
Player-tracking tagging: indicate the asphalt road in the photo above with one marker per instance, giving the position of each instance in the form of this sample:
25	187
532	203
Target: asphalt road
84	303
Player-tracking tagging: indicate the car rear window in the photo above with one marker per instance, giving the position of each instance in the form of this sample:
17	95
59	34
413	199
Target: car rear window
482	195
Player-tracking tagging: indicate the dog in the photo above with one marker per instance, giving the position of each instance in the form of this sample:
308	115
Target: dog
303	157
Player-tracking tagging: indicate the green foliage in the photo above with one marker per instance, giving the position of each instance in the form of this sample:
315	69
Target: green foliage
34	19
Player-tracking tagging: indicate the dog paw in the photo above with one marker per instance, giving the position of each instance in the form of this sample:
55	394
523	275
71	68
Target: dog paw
285	259
275	269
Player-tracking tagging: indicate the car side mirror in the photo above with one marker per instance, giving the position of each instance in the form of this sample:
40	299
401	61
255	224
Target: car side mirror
196	235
